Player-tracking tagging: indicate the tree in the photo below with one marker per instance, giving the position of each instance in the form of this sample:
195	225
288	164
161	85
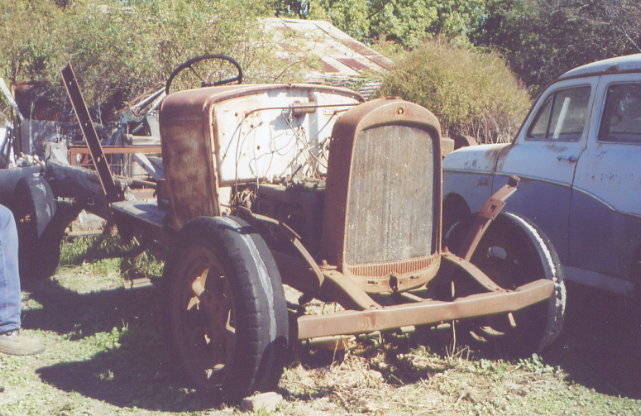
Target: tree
543	38
404	21
121	51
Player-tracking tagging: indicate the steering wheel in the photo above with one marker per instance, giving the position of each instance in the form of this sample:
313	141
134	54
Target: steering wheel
204	79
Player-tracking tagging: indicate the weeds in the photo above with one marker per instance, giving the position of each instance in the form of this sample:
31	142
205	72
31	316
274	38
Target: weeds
107	355
107	253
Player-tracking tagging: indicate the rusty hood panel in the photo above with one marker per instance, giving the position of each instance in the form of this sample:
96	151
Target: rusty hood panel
194	104
218	136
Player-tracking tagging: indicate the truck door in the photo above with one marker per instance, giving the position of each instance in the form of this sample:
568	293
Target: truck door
605	221
545	154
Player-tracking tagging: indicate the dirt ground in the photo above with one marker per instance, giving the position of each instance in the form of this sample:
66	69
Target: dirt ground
106	356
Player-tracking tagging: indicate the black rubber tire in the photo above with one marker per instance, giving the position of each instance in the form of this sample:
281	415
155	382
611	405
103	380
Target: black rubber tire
50	242
34	208
524	254
454	210
257	302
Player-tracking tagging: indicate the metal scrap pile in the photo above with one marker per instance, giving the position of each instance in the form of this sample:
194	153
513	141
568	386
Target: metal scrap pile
39	130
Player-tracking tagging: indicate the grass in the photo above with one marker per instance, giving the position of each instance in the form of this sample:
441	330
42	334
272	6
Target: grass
106	356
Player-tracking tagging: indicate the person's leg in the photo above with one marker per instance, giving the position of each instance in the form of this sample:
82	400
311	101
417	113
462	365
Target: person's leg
9	275
11	340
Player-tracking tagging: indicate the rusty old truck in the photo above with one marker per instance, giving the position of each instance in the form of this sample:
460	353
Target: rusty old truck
310	187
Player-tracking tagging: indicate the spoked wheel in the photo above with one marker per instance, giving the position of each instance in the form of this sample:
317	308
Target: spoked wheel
228	316
203	306
514	252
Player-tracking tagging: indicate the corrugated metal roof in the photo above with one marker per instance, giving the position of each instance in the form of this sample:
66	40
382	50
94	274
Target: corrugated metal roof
343	59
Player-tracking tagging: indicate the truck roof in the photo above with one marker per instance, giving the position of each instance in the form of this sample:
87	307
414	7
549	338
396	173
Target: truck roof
627	63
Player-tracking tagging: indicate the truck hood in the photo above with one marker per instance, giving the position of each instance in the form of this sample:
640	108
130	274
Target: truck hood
481	158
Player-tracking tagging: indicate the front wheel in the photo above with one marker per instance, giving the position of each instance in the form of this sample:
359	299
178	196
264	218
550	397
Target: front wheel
228	315
514	252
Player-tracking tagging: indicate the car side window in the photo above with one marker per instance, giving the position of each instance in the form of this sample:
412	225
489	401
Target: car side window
621	120
562	116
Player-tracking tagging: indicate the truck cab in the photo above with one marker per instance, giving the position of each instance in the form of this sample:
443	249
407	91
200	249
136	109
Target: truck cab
578	154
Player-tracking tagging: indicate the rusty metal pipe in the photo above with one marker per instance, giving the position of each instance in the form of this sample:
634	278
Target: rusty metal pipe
490	210
426	312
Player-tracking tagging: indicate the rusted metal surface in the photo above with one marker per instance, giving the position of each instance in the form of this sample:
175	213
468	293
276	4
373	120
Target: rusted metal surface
290	235
352	63
79	155
484	217
111	191
419	202
375	172
390	205
343	59
222	136
347	291
201	313
397	268
474	272
421	313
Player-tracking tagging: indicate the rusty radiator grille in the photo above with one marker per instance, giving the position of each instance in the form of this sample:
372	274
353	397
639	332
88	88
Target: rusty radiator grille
390	208
396	268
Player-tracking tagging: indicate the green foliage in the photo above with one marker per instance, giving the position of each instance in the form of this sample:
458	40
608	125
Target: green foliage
104	254
119	51
404	21
543	38
24	37
469	91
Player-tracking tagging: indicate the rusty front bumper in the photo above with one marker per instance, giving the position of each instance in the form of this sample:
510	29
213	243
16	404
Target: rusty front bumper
424	312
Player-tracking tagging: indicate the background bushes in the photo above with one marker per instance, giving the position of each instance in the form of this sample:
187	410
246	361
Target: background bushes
471	92
123	48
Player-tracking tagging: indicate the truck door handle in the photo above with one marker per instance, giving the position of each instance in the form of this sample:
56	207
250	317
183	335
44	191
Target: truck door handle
568	158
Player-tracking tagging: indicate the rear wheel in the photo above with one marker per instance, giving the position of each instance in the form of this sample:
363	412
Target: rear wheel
228	315
514	252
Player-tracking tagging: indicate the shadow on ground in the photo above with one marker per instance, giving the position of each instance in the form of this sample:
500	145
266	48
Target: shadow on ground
601	344
134	367
79	315
600	349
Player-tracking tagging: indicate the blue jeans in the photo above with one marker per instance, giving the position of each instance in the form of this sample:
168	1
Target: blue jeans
9	275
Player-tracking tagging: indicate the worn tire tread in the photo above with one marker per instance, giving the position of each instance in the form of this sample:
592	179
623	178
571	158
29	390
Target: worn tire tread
258	359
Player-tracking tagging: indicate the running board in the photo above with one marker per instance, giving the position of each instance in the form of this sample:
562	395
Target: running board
424	312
